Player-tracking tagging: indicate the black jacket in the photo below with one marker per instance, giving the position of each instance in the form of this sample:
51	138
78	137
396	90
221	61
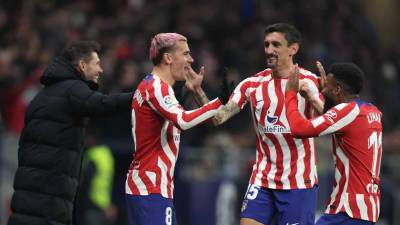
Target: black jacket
51	145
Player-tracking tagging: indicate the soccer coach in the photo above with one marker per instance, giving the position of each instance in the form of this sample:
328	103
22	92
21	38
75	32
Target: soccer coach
51	143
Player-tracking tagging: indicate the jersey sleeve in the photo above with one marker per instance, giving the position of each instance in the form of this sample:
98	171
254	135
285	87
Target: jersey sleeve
335	119
161	98
241	93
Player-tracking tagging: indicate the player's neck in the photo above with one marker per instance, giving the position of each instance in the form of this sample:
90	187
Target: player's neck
283	71
164	74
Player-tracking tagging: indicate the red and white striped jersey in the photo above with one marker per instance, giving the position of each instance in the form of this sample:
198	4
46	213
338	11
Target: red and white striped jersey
357	150
282	161
157	120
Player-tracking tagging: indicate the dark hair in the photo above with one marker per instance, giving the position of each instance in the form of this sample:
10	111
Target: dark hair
78	50
348	74
291	33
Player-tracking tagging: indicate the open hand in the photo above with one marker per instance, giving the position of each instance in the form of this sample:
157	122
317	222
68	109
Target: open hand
322	76
304	89
193	79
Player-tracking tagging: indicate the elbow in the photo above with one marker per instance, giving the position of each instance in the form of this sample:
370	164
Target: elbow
216	121
297	132
183	126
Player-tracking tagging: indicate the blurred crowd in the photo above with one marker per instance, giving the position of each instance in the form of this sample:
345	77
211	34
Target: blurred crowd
220	33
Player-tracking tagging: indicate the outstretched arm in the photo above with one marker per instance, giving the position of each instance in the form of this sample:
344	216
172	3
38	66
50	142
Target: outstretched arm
87	102
226	112
162	99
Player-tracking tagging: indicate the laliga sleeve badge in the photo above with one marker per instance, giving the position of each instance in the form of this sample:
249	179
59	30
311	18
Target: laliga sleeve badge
170	101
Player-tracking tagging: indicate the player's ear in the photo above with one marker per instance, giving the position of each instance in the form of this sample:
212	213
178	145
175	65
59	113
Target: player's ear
81	65
167	57
339	90
294	48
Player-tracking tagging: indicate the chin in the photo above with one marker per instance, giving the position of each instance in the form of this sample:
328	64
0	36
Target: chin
180	77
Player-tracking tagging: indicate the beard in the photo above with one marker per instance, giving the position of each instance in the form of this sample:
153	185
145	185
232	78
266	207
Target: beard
329	103
272	61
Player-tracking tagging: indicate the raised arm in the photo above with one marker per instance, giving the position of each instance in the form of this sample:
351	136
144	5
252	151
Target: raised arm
333	120
310	96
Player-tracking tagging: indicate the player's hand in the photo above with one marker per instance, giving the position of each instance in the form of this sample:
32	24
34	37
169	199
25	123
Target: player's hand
322	76
304	90
293	80
226	87
193	79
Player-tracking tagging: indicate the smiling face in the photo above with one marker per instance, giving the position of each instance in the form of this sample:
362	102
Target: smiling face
91	69
277	50
180	60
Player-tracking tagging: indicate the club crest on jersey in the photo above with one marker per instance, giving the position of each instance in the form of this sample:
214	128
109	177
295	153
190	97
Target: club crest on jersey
169	101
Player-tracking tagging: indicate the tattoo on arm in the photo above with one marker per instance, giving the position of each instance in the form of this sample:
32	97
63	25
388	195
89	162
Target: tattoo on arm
226	112
223	114
200	97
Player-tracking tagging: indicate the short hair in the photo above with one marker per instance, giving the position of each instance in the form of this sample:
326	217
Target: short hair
161	43
291	33
80	50
348	74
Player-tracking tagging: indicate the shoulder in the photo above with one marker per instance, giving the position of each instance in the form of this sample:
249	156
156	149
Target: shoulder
158	88
258	78
76	86
309	77
306	74
342	110
368	107
262	75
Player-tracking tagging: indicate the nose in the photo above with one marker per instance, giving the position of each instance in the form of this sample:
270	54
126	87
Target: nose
190	60
100	70
269	49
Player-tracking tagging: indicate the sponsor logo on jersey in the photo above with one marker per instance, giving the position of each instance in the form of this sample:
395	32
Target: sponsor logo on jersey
177	137
271	126
331	115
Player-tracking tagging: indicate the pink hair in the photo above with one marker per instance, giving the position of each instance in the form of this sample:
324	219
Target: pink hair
161	43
